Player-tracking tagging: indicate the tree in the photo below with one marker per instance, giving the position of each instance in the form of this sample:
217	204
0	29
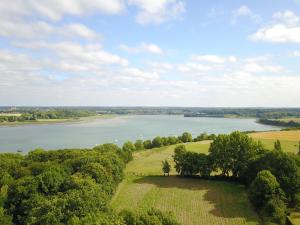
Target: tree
139	145
275	211
264	188
157	142
231	153
277	145
172	140
128	146
150	217
147	144
166	167
178	157
186	137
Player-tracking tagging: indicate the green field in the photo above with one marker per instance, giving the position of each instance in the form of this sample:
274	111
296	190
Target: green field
192	201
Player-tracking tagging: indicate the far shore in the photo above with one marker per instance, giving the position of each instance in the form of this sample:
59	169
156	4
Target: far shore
56	121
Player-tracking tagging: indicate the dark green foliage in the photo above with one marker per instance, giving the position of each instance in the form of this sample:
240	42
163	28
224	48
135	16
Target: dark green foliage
264	188
157	142
151	217
283	166
128	146
166	167
4	218
139	145
204	136
191	163
274	211
147	144
279	123
186	137
277	145
61	187
172	140
231	153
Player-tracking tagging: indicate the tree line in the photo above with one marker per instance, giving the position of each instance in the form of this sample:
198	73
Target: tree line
279	123
34	115
272	177
159	141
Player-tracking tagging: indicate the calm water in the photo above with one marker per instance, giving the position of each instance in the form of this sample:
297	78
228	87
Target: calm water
116	130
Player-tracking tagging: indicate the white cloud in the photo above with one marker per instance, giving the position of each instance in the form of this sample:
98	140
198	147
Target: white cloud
43	30
283	29
244	11
213	58
296	54
56	9
288	17
143	47
139	74
258	68
77	57
23	80
278	33
158	11
190	67
79	30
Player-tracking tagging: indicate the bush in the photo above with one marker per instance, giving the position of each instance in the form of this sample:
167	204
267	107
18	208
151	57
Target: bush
150	217
264	188
186	137
274	211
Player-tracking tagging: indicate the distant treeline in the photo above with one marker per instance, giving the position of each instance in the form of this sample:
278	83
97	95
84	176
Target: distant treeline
279	123
33	115
272	177
271	113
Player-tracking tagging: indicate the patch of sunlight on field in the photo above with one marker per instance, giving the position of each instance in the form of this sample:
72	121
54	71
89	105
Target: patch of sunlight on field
293	135
295	218
289	139
192	201
148	162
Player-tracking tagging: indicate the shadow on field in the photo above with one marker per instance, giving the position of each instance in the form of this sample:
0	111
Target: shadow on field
228	199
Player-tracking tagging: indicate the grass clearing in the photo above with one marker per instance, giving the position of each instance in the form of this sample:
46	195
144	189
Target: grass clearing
192	201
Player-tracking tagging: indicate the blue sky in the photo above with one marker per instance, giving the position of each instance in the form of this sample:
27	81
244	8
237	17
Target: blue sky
150	53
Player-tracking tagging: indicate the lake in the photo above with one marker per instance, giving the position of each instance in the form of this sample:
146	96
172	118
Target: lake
116	130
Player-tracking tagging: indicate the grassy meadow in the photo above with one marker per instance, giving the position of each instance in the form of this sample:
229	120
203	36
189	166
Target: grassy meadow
192	201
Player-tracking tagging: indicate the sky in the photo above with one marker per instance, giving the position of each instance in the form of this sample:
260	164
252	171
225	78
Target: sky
195	53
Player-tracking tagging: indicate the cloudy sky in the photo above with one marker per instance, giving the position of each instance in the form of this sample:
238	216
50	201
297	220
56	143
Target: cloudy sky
150	52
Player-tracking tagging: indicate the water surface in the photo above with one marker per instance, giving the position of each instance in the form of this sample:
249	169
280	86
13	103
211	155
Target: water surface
116	130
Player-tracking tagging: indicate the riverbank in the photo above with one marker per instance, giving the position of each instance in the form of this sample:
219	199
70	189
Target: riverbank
56	121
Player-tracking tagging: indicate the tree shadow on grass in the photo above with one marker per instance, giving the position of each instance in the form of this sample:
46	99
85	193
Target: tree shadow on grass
229	199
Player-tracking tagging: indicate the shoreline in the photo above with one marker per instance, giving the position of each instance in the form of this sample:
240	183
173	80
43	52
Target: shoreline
57	121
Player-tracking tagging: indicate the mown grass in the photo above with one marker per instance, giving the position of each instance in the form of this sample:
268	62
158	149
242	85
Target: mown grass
192	201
